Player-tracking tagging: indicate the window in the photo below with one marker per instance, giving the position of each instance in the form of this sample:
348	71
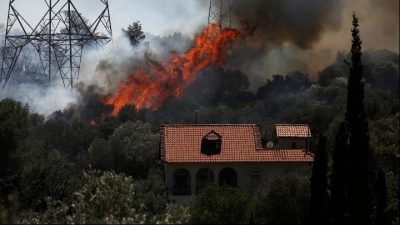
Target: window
181	182
228	177
211	143
294	145
204	177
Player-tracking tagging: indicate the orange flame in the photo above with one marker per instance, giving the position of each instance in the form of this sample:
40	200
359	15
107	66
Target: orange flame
169	80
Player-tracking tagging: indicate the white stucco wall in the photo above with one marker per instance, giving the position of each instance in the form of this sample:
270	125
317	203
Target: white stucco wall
243	170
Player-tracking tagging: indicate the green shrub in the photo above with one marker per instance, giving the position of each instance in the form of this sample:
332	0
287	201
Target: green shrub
220	205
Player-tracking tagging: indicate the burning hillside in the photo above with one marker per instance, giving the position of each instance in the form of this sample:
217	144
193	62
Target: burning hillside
150	86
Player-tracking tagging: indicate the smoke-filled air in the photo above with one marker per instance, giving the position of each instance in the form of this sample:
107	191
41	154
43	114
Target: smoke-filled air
277	37
199	112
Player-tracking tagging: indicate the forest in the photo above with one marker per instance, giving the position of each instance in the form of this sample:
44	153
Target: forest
84	165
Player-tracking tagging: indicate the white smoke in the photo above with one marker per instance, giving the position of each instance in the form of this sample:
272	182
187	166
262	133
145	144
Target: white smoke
103	67
42	100
47	99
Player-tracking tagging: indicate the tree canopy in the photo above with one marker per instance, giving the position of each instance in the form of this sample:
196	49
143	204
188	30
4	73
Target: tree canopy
135	33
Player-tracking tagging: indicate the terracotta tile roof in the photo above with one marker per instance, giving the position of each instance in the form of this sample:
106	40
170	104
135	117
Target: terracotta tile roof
181	143
292	130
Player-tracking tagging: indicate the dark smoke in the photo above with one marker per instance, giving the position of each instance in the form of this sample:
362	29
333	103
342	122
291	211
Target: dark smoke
89	105
299	22
280	36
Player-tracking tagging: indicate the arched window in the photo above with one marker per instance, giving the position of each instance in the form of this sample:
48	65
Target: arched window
228	177
204	177
181	182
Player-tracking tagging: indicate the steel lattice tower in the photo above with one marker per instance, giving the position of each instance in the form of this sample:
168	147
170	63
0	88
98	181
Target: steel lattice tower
220	13
58	38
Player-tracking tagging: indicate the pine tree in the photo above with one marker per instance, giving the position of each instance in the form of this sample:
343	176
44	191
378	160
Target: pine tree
359	198
319	184
337	187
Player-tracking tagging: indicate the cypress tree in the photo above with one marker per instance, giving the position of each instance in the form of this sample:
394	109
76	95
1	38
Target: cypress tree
337	187
359	198
319	184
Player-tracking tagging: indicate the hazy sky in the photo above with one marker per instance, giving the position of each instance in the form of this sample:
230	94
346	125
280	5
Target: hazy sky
379	19
159	17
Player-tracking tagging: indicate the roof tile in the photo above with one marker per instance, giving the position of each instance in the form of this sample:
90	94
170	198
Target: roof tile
293	130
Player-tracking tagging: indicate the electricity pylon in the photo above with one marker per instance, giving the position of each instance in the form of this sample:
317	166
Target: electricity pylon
219	13
58	38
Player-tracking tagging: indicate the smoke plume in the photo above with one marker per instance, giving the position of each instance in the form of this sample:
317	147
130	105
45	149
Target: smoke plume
287	21
42	100
292	35
281	36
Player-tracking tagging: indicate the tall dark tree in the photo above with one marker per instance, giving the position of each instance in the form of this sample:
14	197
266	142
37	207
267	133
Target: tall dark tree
359	198
381	199
319	184
135	33
337	186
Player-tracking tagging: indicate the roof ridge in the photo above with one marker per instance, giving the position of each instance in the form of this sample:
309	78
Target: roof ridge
210	124
292	124
282	149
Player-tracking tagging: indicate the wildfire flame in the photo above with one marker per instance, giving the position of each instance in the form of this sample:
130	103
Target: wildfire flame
145	91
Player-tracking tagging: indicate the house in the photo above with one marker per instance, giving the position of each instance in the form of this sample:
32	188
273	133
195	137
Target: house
195	155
